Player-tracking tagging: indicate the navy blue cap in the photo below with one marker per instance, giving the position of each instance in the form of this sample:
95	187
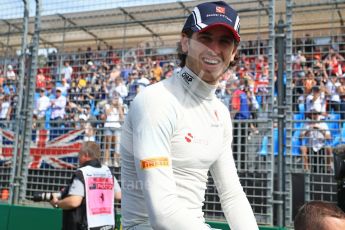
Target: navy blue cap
209	14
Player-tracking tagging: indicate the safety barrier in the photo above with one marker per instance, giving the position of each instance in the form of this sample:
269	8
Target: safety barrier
48	218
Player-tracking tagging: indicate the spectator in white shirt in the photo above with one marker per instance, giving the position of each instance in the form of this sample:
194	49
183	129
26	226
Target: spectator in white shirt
58	109
316	100
10	74
5	111
88	123
114	115
121	88
314	137
299	61
64	86
67	71
333	88
42	105
142	81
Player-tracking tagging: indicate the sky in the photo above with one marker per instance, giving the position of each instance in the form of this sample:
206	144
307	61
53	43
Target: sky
14	8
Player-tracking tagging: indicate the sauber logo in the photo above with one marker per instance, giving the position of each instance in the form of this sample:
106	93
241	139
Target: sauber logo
220	10
187	77
188	137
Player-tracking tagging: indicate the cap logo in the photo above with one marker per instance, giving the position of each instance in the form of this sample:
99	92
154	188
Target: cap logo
220	10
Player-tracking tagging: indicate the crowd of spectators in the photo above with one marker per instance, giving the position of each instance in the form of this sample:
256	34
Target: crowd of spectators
91	90
319	83
8	95
319	98
76	89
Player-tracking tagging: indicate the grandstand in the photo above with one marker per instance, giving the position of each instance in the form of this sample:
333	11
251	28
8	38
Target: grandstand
120	26
93	51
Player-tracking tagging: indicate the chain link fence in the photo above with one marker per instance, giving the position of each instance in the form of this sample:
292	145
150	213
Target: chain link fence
92	56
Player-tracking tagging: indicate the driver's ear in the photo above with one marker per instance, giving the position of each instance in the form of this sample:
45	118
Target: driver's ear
184	42
234	52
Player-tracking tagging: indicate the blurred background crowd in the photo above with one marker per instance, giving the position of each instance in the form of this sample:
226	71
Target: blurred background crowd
93	88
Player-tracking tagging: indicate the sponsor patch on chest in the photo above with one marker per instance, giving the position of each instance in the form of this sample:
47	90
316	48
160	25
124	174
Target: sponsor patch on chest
190	138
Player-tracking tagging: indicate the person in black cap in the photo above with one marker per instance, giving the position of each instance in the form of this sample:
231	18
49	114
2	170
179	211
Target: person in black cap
177	131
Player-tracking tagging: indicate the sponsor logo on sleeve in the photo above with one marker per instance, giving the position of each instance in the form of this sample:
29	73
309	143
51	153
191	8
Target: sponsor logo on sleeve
156	162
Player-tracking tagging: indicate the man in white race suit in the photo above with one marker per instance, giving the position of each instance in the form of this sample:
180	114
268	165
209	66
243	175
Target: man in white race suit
177	130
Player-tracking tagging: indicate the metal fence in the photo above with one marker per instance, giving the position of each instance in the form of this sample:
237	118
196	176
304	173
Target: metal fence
84	49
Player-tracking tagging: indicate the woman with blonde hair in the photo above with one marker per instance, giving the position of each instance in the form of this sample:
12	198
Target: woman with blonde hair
114	115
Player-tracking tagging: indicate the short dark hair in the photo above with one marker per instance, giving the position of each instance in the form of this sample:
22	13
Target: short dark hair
311	215
90	149
182	56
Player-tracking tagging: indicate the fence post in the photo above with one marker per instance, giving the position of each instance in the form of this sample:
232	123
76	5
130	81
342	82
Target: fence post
288	112
29	103
15	171
271	63
280	198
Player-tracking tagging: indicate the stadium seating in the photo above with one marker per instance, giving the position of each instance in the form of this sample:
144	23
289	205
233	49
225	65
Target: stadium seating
265	143
276	144
296	143
342	133
298	119
264	146
301	108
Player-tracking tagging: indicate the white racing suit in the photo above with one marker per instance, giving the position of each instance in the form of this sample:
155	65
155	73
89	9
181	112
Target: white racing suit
175	132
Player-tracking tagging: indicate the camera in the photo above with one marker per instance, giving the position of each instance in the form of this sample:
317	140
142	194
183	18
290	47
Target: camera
45	196
48	196
339	174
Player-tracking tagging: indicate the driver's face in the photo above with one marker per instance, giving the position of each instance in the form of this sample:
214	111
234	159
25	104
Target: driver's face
209	53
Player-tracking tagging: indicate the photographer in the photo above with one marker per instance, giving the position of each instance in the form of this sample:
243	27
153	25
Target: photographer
88	201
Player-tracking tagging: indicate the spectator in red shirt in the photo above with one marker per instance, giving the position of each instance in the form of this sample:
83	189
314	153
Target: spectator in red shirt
40	80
